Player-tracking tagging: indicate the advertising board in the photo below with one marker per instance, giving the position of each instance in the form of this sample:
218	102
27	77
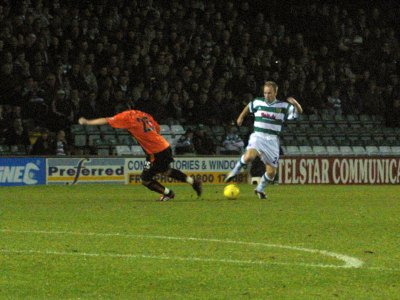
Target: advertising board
339	170
22	171
209	169
85	170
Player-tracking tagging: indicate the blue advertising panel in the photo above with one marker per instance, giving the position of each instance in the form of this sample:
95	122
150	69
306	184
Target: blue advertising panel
22	171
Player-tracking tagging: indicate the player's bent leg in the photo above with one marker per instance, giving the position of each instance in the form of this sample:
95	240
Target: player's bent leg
267	177
155	186
180	176
245	159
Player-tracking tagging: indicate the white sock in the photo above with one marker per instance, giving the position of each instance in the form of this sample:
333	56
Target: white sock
189	180
239	165
263	182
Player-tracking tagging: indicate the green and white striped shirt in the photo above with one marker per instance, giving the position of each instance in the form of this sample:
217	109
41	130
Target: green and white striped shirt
269	117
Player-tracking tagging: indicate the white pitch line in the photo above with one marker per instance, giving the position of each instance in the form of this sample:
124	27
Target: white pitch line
162	257
349	262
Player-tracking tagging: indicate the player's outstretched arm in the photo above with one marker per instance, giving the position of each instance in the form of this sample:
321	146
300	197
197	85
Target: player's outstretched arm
99	121
296	104
242	115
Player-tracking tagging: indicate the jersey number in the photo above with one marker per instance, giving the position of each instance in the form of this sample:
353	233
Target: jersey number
147	125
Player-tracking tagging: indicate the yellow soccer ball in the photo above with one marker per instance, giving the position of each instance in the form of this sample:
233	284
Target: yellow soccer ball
231	191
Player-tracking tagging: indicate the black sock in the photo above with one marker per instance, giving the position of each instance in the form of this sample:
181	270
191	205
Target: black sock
178	175
155	186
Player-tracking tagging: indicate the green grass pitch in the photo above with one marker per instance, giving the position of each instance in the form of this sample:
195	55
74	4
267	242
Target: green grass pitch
117	242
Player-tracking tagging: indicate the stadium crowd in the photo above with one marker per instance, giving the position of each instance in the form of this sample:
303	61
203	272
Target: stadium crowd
192	61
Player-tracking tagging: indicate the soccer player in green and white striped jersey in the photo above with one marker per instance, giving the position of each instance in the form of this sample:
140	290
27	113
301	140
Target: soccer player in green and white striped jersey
270	114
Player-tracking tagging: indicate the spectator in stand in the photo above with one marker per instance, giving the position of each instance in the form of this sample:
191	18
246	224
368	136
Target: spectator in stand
89	106
373	102
185	143
17	135
232	143
61	113
76	79
89	77
201	108
60	144
3	123
8	83
351	100
43	144
203	142
334	104
175	107
178	44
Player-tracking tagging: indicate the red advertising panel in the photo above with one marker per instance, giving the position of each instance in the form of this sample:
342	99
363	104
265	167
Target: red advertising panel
339	170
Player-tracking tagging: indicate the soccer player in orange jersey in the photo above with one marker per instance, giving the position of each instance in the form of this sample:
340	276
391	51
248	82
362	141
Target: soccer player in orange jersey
146	131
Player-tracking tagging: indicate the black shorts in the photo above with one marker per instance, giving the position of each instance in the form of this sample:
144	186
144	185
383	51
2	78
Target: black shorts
159	162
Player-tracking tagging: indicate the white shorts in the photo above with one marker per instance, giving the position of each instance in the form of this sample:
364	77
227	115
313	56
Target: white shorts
267	146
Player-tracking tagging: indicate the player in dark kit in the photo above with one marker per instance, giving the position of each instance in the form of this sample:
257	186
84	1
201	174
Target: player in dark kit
146	131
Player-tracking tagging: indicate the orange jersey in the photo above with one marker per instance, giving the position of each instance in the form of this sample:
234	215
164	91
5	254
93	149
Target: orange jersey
143	128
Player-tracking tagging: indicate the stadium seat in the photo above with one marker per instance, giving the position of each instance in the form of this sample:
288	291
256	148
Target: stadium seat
120	131
110	139
80	139
366	121
315	140
314	118
177	129
302	140
340	119
372	150
137	150
327	118
379	140
18	150
367	140
244	131
385	150
107	129
317	127
288	140
345	150
219	138
170	139
352	118
392	140
319	150
92	129
192	127
303	118
328	141
303	127
103	150
165	129
123	150
4	150
76	128
333	150
306	150
331	127
218	130
291	150
92	137
126	139
359	150
355	140
395	150
377	119
341	140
